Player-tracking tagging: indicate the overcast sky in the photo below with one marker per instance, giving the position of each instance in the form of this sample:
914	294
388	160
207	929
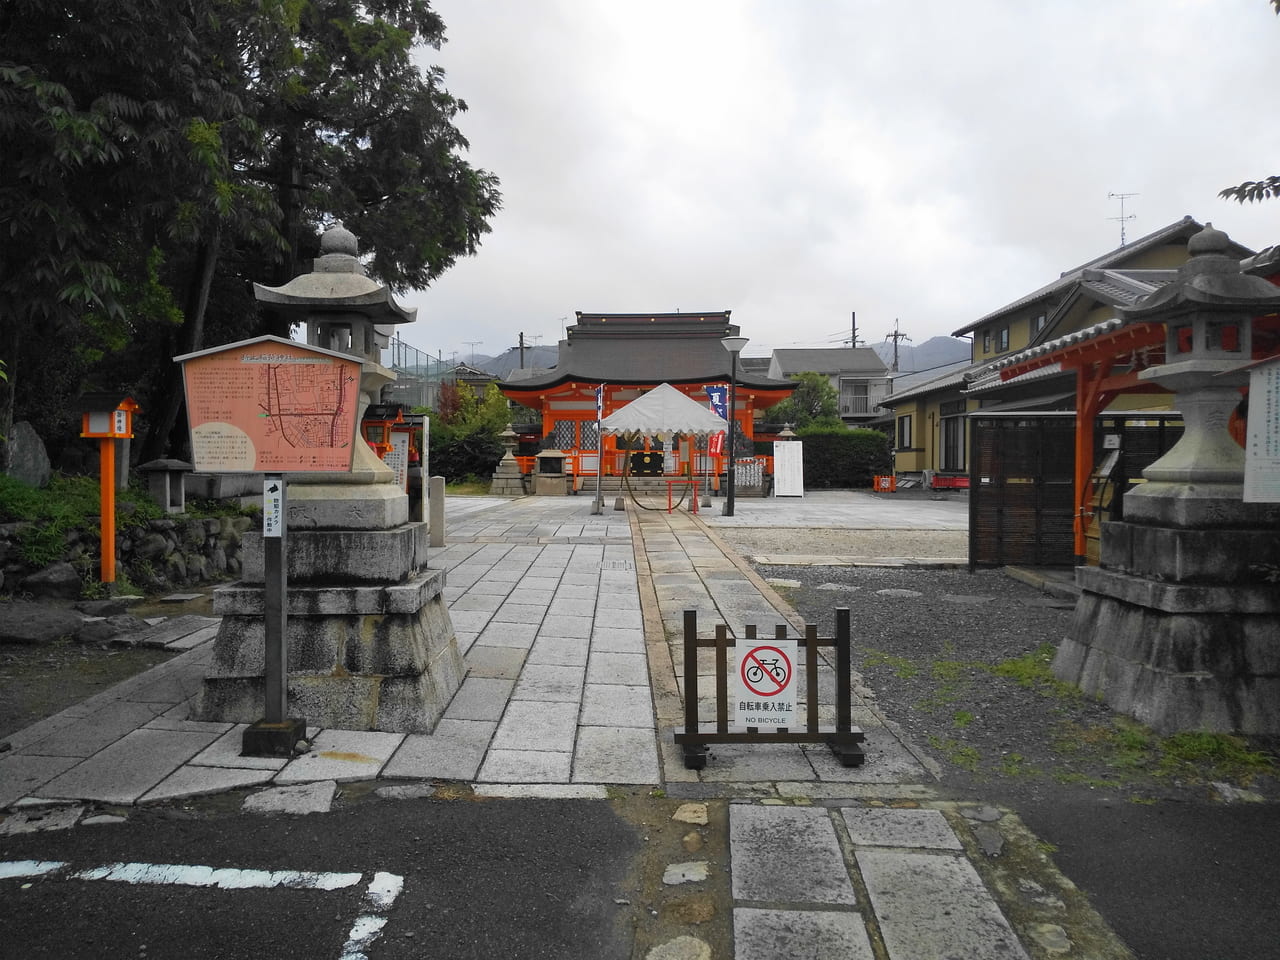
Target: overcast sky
797	160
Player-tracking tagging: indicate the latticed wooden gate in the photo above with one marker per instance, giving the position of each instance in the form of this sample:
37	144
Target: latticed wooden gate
1021	489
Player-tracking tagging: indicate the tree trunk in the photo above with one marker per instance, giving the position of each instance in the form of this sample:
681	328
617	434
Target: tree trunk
8	391
171	396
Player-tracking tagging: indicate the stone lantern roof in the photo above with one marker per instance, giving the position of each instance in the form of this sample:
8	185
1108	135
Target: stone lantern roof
336	283
1211	278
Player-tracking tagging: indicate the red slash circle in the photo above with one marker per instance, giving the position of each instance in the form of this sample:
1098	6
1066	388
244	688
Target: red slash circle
765	676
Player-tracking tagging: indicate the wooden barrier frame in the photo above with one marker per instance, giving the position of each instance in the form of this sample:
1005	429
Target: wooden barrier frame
845	740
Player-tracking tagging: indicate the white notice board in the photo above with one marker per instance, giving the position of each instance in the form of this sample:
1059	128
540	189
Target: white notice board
1262	440
788	468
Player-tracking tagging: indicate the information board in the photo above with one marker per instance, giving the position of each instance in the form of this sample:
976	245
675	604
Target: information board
271	406
1262	435
788	468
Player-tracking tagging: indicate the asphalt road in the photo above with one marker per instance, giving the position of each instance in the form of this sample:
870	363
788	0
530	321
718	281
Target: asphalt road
499	878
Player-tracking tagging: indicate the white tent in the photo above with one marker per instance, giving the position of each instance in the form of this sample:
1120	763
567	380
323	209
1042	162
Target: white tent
663	410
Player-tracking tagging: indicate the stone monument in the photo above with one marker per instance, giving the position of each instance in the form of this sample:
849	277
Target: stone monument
1179	625
369	641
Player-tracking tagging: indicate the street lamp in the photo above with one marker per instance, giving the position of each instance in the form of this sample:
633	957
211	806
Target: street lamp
734	345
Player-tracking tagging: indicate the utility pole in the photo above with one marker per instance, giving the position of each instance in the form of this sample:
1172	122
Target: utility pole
895	337
1122	197
853	331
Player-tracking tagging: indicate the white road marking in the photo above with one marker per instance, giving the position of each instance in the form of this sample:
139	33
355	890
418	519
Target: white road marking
379	896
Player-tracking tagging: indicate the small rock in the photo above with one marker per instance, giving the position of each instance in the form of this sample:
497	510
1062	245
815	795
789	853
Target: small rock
681	948
989	839
1228	793
902	594
405	791
692	872
692	841
695	813
101	819
1052	937
986	813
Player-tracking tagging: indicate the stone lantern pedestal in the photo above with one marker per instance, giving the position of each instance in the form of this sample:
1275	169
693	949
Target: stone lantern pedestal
369	642
1178	625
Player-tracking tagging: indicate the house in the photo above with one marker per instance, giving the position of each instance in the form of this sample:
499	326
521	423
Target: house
930	420
626	355
858	375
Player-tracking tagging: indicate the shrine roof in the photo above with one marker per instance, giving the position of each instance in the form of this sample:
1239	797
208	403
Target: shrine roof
646	348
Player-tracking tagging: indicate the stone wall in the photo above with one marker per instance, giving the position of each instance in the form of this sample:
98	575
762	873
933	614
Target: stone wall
155	556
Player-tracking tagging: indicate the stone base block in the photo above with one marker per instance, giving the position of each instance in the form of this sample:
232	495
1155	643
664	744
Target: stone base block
1176	671
344	556
1183	556
358	658
550	485
344	506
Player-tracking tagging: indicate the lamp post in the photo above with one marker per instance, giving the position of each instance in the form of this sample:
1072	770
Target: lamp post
734	345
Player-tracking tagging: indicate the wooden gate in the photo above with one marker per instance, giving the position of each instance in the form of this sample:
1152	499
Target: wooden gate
1021	489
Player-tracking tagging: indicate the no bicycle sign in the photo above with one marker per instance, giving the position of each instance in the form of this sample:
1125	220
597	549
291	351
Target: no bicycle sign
766	684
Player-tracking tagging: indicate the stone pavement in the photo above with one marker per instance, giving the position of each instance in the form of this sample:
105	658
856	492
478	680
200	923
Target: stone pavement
570	626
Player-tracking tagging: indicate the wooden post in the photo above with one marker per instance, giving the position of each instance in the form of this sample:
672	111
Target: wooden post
107	506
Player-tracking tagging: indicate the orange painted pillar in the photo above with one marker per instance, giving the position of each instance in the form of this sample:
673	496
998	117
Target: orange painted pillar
107	506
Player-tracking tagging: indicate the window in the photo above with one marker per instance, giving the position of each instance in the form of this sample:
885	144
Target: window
1040	322
904	432
1003	340
986	341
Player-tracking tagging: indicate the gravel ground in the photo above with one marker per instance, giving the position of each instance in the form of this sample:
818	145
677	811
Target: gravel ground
960	662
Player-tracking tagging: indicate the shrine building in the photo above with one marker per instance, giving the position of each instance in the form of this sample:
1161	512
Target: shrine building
630	354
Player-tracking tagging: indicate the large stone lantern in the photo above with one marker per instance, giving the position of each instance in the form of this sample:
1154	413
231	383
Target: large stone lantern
1178	625
370	645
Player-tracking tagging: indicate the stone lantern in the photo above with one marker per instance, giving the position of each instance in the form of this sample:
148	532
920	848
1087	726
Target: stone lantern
369	639
1178	625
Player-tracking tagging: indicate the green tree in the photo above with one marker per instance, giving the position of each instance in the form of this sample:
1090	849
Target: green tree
814	401
1255	190
159	154
464	431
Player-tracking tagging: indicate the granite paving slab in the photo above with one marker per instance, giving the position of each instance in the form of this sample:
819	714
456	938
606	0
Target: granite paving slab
614	705
480	698
762	838
888	827
21	775
615	755
526	766
128	768
453	751
762	934
537	725
935	905
342	755
190	781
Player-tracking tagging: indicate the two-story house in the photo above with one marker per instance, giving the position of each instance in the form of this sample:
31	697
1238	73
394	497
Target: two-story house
859	376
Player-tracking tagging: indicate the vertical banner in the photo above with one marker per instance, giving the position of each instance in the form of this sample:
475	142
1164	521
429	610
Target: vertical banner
718	396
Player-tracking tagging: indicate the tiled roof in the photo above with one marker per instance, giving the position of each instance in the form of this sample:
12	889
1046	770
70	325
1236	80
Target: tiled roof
1186	226
831	360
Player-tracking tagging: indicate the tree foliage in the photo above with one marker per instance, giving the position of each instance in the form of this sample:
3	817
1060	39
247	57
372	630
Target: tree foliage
464	431
1252	191
161	154
814	401
838	457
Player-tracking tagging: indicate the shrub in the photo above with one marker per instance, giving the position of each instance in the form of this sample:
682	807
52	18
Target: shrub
837	457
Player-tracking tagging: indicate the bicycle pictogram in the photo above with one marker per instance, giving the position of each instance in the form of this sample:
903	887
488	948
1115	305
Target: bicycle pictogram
765	670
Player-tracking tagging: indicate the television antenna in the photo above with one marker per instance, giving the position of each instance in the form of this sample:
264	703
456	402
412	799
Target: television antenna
1122	197
473	344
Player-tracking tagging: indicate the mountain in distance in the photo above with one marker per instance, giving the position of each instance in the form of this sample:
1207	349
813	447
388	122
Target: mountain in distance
535	357
934	352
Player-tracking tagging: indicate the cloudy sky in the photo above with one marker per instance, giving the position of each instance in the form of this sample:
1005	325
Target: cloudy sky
797	160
